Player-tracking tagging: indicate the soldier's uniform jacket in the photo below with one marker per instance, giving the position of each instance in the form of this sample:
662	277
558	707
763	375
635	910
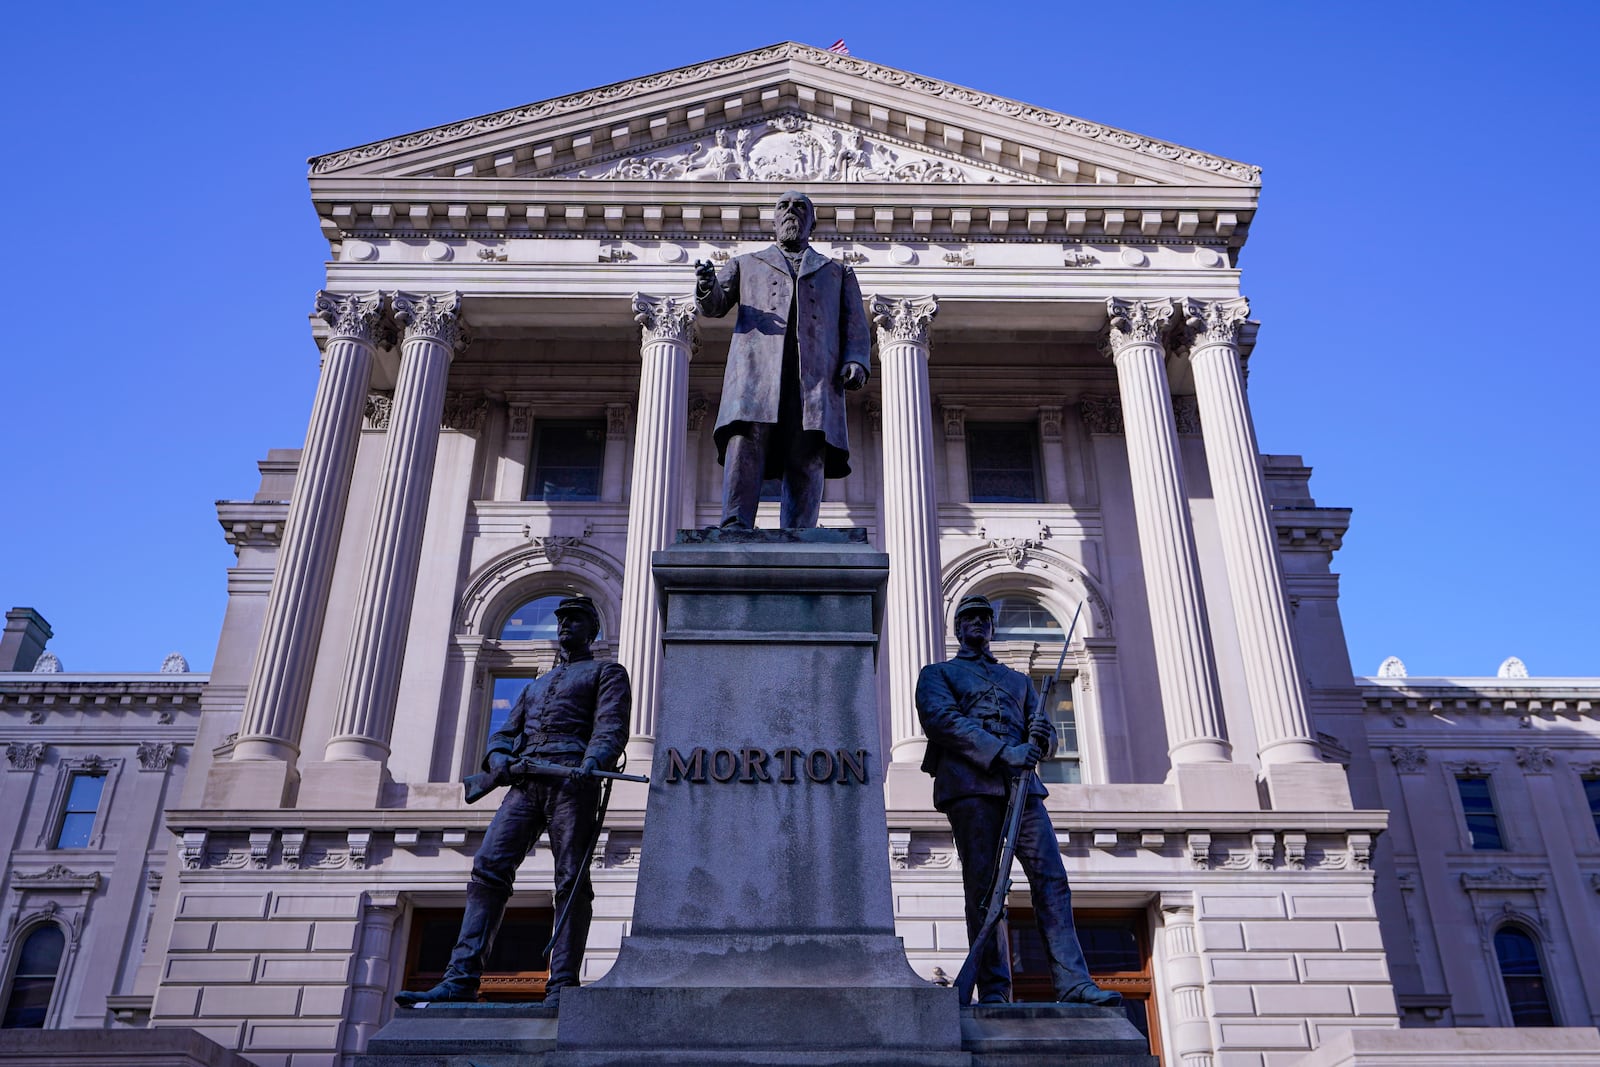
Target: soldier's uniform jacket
579	708
821	309
971	707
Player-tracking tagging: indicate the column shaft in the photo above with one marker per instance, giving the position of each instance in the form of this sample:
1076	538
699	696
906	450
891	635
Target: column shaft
910	520
1249	542
1166	536
280	679
655	507
389	573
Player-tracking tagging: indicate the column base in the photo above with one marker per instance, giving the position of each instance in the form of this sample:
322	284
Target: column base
256	783
1215	786
1308	787
342	785
906	788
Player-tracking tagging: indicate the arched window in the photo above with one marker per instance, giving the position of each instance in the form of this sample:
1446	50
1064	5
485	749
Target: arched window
1523	977
532	623
33	979
1021	618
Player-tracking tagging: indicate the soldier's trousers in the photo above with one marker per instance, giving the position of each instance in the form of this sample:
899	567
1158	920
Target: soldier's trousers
567	809
979	823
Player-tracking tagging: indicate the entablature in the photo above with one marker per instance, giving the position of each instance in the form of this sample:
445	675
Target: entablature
446	208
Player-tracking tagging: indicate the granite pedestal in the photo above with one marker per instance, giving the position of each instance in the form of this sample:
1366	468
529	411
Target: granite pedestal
763	929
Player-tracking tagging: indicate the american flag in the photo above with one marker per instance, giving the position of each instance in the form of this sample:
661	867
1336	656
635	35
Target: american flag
838	47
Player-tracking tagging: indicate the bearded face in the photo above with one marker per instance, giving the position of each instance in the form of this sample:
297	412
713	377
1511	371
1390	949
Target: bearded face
792	219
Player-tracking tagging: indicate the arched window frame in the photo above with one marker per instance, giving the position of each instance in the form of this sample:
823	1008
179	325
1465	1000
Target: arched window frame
1039	571
1521	926
20	937
548	566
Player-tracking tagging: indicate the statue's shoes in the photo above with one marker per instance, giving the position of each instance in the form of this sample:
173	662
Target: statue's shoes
994	998
449	991
1089	993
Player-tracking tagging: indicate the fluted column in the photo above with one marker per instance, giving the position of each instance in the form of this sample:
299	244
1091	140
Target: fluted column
275	703
654	509
910	519
1166	537
1249	542
433	332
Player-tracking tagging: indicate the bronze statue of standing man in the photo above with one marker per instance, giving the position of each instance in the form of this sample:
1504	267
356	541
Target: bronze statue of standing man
800	341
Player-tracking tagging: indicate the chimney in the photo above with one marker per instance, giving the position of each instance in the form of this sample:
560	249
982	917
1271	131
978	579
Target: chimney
25	636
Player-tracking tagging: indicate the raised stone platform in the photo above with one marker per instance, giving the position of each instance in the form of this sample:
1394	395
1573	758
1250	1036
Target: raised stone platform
464	1035
992	1035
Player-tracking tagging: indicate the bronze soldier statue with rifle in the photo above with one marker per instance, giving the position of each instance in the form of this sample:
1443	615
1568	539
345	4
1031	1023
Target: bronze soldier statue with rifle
987	729
559	744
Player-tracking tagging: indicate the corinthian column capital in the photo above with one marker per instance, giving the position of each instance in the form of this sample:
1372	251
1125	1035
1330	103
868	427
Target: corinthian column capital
1133	322
358	316
433	316
665	318
903	319
1214	322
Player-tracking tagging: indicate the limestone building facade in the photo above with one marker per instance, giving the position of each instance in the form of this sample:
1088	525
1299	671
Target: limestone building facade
513	405
92	762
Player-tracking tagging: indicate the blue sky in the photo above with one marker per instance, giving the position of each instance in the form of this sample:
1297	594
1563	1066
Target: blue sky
1423	264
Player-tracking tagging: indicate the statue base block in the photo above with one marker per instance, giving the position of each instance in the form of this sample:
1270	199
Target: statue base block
763	924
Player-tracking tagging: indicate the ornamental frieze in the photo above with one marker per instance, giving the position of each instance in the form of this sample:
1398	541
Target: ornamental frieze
789	148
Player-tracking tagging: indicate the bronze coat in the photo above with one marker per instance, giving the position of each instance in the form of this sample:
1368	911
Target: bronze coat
830	330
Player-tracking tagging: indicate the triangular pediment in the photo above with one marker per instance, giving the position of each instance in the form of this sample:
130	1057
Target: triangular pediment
788	113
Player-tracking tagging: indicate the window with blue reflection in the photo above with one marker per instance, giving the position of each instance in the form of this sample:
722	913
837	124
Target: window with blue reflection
1523	977
1477	804
34	979
77	817
506	691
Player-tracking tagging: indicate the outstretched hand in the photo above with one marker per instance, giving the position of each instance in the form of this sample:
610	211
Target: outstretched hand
705	273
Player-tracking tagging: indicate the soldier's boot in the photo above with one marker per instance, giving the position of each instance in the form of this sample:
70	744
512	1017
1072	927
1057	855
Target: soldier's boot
1089	993
566	954
479	923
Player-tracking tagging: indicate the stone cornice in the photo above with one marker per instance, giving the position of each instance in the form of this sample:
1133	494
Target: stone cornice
252	524
798	56
446	208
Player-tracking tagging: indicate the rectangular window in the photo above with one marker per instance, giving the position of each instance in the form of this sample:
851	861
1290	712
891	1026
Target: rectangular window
1065	766
1477	804
1003	462
567	460
77	818
506	691
1591	791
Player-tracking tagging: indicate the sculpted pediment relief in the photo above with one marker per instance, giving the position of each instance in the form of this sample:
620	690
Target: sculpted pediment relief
789	148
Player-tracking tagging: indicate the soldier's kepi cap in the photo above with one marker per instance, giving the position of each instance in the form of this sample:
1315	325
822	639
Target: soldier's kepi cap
578	605
972	604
